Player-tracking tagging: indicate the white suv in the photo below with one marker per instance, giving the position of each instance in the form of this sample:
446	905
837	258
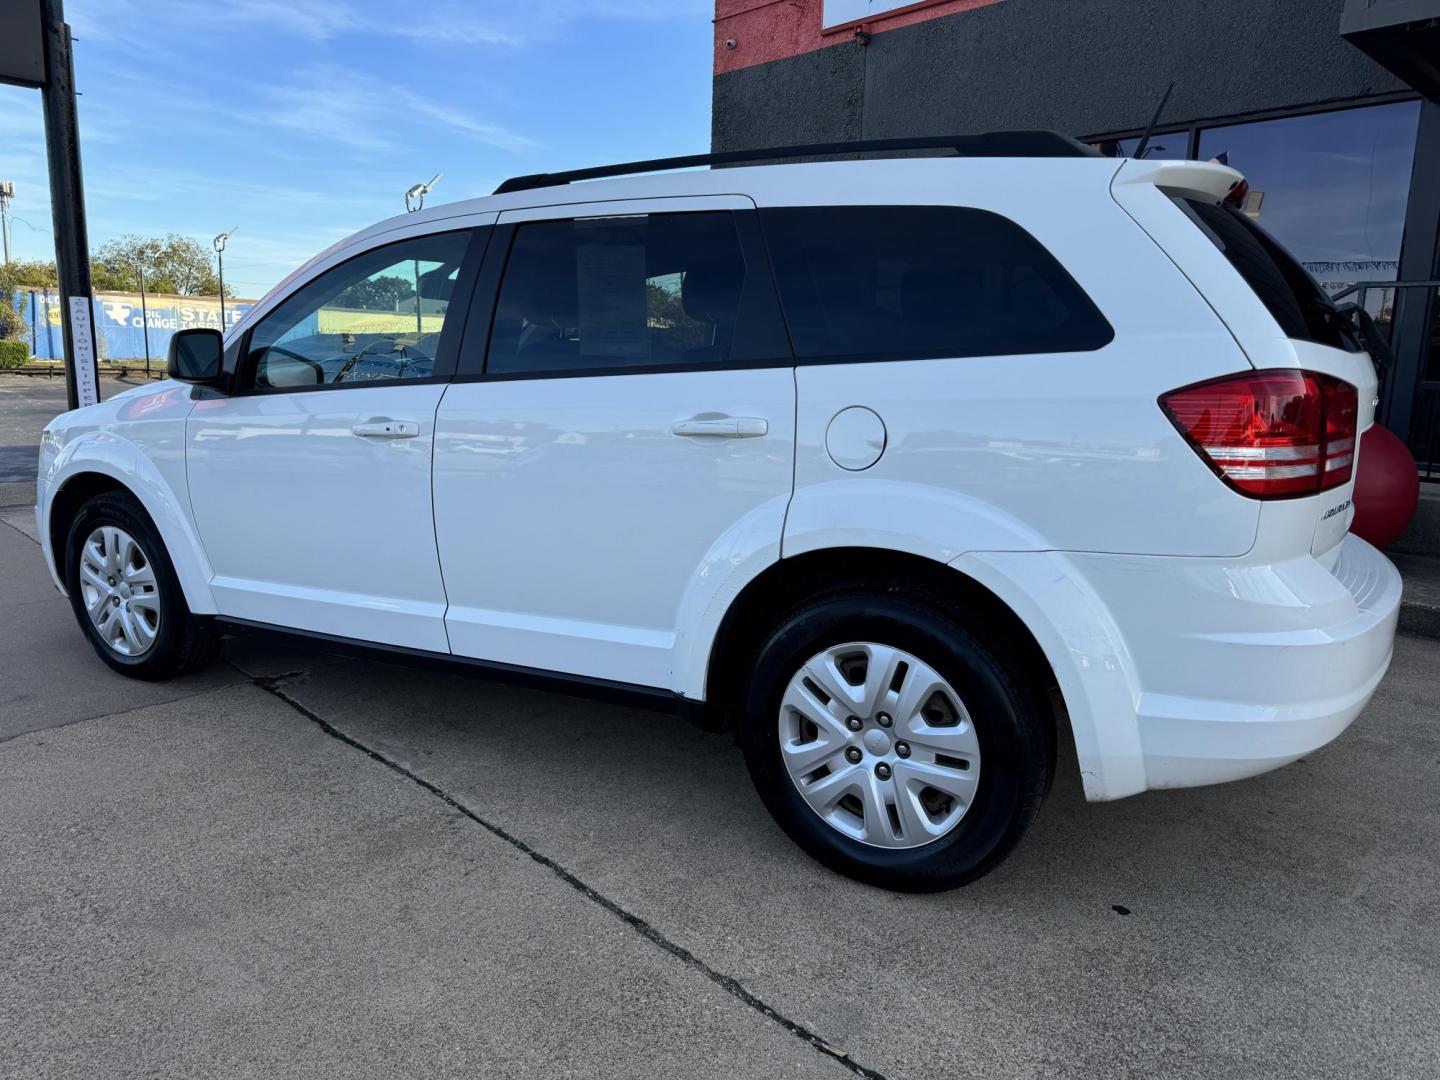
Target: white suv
863	459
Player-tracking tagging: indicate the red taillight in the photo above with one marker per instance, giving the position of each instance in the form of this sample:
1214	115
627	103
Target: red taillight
1342	411
1271	434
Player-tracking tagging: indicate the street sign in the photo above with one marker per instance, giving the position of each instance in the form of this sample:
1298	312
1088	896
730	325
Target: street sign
22	46
82	346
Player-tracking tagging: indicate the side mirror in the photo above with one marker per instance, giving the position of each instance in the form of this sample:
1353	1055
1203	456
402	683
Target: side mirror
197	356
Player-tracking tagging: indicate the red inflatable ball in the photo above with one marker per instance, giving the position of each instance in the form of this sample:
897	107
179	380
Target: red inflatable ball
1387	488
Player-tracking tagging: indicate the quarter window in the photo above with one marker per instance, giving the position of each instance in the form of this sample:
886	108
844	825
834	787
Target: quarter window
376	318
898	282
652	291
1289	293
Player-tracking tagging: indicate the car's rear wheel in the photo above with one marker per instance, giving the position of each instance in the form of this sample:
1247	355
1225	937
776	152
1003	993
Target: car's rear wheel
125	594
891	744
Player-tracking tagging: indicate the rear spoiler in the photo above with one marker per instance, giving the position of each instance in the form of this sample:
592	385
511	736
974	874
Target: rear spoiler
1190	179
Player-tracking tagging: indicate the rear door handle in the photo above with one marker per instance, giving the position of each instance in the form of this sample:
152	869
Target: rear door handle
384	428
723	427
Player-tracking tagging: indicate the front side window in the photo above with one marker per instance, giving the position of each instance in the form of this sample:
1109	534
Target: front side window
641	292
903	282
376	318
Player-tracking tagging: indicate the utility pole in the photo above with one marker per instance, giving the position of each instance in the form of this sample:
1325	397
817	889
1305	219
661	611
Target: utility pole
145	314
7	192
67	205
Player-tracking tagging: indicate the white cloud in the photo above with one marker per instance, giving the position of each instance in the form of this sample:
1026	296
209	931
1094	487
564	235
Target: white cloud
484	22
329	103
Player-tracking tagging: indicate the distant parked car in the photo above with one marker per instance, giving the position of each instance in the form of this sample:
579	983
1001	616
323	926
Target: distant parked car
864	459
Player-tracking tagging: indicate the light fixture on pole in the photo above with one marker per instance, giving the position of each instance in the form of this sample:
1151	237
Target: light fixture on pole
415	197
220	262
415	200
7	192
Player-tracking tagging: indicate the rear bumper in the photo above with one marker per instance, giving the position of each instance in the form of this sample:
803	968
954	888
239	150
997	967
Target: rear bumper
1179	672
1258	698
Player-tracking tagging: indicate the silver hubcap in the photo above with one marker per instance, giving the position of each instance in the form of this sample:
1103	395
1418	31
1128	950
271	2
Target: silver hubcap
117	584
907	772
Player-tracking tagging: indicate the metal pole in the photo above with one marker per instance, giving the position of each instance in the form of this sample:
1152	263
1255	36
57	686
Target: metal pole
144	317
7	189
67	192
220	242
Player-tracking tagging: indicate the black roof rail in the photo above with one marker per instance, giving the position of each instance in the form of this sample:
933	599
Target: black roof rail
1019	144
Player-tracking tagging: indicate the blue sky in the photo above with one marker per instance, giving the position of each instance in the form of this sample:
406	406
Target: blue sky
303	120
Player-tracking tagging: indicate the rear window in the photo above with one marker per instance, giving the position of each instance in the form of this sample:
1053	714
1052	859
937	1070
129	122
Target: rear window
1289	293
906	282
663	291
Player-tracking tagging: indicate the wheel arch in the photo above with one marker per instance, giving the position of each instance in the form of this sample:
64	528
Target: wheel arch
85	479
66	503
789	582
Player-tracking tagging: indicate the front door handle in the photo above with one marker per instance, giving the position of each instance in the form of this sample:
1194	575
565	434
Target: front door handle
723	427
384	428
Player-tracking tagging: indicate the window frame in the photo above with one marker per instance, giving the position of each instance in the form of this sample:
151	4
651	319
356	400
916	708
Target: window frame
769	324
1193	130
451	333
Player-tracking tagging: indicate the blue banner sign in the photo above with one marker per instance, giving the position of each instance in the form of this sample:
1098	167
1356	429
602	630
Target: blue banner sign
121	321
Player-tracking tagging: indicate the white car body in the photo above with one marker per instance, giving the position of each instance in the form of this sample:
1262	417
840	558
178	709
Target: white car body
1196	635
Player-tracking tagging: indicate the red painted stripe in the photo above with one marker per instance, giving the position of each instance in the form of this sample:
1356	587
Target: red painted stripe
765	30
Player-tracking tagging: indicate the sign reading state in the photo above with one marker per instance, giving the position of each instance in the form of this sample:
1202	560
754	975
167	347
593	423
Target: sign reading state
840	12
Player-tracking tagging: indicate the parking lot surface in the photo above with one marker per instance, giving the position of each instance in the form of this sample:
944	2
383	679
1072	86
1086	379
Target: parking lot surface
301	865
27	403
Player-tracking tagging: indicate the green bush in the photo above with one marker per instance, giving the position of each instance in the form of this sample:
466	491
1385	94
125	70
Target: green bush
13	353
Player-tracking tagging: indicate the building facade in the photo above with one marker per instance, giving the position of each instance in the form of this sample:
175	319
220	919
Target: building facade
1342	151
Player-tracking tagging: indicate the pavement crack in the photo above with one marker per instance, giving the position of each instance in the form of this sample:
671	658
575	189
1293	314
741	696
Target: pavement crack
17	528
732	986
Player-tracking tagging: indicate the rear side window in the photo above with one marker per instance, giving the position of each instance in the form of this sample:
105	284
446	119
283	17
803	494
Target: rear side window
1289	293
644	292
905	282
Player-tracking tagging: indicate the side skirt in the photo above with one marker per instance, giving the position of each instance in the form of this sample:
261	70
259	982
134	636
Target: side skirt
618	693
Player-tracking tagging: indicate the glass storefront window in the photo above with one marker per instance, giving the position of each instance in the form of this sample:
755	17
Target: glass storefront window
1164	146
1332	187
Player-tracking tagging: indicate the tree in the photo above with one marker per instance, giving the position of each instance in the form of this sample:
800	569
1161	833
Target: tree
15	275
376	294
174	264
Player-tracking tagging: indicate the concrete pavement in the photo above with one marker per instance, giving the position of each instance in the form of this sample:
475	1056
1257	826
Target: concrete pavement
297	865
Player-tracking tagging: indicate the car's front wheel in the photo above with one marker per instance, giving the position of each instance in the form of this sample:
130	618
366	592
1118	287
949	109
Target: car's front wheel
125	594
891	744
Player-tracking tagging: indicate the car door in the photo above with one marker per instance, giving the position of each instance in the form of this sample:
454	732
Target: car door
619	442
310	482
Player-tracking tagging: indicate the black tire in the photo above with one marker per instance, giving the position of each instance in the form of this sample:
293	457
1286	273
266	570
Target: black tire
1010	720
182	642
